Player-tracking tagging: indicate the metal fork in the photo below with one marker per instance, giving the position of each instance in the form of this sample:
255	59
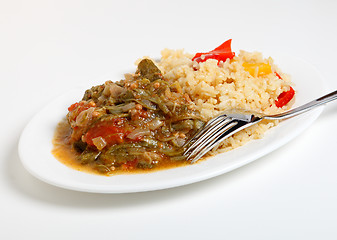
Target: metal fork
226	124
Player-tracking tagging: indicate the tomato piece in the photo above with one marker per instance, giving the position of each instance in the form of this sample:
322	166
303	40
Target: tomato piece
79	106
113	132
76	108
73	106
220	53
285	97
130	164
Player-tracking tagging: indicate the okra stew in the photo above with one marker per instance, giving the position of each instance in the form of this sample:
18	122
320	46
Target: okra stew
141	122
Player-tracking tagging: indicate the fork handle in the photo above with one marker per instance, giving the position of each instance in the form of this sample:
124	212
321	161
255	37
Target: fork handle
304	108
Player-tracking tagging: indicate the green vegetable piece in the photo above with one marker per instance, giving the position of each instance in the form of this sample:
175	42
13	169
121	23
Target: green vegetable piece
183	125
149	142
178	158
88	157
144	165
126	97
147	69
79	146
102	168
172	152
93	93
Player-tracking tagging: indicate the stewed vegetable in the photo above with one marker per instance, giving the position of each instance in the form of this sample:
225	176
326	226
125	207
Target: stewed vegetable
137	122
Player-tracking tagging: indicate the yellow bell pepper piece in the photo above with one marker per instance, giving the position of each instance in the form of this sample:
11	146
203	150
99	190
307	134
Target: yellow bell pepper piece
257	69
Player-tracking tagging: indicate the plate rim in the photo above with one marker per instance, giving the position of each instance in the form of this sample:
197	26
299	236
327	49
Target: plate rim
171	184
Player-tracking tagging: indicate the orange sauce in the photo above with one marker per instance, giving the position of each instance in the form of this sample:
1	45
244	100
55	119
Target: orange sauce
66	154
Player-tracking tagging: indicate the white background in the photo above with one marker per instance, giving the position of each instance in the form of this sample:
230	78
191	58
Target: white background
48	47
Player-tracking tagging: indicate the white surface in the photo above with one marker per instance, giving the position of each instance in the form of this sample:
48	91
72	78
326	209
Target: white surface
47	46
35	146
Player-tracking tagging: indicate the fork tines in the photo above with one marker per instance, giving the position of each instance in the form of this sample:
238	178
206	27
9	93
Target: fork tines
215	131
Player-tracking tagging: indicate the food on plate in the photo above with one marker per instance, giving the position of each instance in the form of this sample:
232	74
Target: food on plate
143	121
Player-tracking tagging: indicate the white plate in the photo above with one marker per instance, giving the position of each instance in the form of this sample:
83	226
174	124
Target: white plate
36	144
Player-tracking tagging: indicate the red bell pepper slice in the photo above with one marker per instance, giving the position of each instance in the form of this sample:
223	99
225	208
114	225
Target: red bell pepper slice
220	53
278	75
284	98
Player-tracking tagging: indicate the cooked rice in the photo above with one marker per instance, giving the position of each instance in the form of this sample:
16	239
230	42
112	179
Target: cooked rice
216	88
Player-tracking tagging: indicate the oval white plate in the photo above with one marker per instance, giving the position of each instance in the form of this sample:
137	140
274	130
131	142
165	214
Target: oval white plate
36	144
